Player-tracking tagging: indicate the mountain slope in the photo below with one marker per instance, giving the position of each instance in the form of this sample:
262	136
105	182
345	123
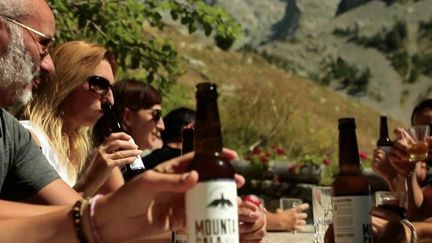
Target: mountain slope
309	37
262	103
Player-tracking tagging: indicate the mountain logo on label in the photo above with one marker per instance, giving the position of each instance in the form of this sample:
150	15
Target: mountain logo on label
220	202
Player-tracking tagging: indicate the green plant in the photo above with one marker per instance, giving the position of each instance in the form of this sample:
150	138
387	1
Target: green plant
118	25
348	77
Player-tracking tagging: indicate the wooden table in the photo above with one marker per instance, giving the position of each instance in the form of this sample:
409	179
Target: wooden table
305	236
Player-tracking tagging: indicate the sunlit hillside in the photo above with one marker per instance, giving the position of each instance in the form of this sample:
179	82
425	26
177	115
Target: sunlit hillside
262	103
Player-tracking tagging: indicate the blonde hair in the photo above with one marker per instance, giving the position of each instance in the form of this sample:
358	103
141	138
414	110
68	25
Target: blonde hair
74	61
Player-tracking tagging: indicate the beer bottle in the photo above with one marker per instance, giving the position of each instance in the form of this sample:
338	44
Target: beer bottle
180	236
384	141
136	167
351	191
187	140
211	206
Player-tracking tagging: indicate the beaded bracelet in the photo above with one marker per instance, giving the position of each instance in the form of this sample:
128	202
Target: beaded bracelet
412	228
77	212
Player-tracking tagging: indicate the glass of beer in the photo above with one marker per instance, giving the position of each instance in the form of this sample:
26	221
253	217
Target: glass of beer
417	140
395	202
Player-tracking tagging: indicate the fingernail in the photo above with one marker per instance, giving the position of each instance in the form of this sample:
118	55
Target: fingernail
185	176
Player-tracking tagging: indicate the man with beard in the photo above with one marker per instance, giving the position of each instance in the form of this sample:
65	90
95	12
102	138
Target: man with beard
148	205
26	30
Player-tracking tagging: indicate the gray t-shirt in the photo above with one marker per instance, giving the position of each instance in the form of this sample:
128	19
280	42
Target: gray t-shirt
23	168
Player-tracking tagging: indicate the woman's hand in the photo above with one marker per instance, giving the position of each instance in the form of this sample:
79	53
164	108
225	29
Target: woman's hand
382	167
252	221
399	156
288	219
116	151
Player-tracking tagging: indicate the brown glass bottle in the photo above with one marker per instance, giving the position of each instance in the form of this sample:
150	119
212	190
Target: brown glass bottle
384	141
129	170
187	140
211	206
351	191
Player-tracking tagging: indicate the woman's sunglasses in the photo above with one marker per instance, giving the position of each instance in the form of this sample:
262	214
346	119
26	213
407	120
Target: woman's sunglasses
156	114
99	85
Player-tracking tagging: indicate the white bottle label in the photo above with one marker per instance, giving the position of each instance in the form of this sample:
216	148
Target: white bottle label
180	237
352	220
211	212
137	163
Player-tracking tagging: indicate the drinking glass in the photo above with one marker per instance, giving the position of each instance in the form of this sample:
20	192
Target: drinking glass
395	202
287	203
322	211
418	146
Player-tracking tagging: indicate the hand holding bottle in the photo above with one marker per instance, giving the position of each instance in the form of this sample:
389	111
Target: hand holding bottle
382	167
116	151
399	156
149	204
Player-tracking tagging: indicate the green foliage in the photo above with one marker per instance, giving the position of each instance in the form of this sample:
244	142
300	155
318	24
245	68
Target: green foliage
385	41
423	62
425	30
349	77
392	44
118	25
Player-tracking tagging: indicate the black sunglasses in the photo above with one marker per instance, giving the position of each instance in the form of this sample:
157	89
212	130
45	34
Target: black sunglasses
99	85
156	114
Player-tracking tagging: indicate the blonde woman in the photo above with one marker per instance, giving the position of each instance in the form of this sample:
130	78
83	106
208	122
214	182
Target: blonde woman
66	106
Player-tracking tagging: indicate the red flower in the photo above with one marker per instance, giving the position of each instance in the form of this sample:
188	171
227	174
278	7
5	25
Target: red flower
292	168
256	151
363	155
280	150
264	158
326	162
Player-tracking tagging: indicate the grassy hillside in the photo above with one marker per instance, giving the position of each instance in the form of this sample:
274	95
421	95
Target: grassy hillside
260	103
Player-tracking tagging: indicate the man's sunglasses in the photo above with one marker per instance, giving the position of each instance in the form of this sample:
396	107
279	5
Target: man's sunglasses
156	114
99	85
45	41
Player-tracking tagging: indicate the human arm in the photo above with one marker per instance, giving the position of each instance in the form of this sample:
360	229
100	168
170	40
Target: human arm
127	214
53	226
114	182
289	219
116	151
399	158
11	209
395	231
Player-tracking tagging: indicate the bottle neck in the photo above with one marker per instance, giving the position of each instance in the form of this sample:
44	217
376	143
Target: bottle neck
115	125
383	128
349	160
188	140
208	135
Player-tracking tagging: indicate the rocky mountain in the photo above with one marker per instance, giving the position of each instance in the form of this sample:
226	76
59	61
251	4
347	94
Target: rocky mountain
379	52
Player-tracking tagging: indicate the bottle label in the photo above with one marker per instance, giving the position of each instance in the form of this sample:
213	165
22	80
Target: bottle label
180	237
137	163
352	220
212	214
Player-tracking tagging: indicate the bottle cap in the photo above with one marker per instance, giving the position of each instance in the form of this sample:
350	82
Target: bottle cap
206	90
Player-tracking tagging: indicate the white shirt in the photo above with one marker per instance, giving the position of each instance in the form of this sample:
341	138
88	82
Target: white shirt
49	152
